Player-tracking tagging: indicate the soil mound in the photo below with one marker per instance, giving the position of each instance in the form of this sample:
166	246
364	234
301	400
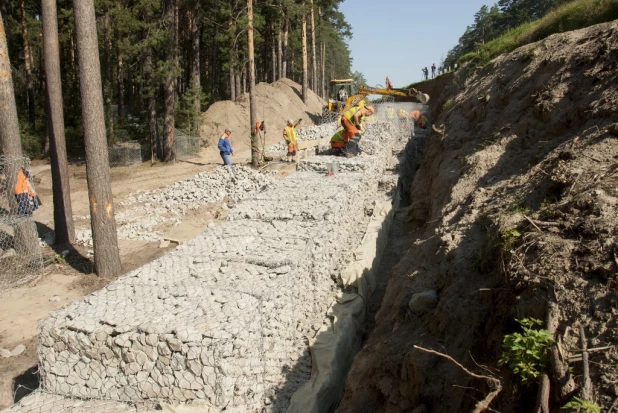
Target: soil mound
515	214
276	103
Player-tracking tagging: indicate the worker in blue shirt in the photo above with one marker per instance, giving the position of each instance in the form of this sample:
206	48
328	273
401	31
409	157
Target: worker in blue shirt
225	147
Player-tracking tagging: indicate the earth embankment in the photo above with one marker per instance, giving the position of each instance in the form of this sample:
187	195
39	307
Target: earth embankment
514	214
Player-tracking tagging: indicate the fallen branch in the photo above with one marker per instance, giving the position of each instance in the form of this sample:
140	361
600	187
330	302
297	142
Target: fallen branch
494	383
592	350
586	384
558	363
532	222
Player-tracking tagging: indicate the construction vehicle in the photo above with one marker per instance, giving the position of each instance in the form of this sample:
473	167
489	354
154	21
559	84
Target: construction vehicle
338	105
335	102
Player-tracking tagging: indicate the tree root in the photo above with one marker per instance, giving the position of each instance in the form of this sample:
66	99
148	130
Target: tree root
494	383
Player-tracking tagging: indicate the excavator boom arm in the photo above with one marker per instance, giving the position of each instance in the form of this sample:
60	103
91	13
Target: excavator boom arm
364	90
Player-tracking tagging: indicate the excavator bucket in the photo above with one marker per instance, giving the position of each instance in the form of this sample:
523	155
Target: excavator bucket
422	97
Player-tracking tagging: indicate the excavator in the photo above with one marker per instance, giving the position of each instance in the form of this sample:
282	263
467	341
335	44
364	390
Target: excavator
342	98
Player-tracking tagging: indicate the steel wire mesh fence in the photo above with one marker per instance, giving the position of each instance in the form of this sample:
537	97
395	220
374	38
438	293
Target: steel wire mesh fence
186	146
125	153
20	253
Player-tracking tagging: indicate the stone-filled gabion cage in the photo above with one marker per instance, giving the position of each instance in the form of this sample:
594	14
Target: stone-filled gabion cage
125	153
186	146
20	253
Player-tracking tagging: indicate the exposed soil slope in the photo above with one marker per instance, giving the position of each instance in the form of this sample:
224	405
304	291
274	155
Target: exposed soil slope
533	135
276	102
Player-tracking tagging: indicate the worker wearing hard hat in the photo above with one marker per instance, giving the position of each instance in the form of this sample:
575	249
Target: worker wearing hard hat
225	147
289	134
351	120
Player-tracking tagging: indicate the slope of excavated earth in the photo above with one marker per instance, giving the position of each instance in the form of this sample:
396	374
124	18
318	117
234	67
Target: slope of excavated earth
514	210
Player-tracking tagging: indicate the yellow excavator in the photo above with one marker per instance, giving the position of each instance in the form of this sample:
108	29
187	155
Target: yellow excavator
342	98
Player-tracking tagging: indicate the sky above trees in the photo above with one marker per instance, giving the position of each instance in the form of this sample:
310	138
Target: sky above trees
396	38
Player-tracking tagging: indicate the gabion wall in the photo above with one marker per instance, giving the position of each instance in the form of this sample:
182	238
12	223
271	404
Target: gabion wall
125	153
226	318
186	146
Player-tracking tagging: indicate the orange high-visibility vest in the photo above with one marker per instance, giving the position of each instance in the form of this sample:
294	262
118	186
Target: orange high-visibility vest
23	185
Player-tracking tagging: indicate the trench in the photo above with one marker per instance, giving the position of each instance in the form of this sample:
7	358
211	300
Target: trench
335	348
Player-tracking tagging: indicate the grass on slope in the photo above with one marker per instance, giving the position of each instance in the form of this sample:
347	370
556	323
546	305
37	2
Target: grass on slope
571	16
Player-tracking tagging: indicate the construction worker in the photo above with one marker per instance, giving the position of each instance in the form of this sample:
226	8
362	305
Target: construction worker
390	113
27	199
289	134
225	147
338	144
351	120
342	95
419	119
402	115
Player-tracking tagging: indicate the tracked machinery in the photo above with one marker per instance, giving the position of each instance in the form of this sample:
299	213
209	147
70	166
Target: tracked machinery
342	97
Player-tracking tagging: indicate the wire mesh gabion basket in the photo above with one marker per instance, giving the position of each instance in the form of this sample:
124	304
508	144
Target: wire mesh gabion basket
21	258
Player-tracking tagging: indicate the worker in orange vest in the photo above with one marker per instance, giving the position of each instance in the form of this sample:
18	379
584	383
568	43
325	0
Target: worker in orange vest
351	120
27	199
419	119
289	134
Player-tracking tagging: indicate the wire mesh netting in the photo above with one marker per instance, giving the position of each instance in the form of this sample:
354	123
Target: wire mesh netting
186	146
20	253
125	153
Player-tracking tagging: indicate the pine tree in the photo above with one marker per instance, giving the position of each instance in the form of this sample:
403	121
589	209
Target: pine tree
63	213
104	237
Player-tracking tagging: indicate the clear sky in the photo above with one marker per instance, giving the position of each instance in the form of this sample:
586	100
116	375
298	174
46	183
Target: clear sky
396	38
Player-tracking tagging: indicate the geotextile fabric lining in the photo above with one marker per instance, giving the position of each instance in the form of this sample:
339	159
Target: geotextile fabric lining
336	345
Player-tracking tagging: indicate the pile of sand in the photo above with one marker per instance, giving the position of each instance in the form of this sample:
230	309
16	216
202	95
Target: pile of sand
276	103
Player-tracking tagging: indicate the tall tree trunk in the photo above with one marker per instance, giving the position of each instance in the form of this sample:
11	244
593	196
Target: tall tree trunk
108	89
104	237
195	70
9	125
72	56
63	213
244	79
279	54
25	236
232	47
255	150
237	80
155	146
232	84
120	86
169	119
324	84
213	63
274	63
304	51
28	66
314	73
130	89
284	54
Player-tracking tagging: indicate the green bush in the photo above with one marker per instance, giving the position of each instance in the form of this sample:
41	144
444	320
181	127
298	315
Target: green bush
526	353
581	405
